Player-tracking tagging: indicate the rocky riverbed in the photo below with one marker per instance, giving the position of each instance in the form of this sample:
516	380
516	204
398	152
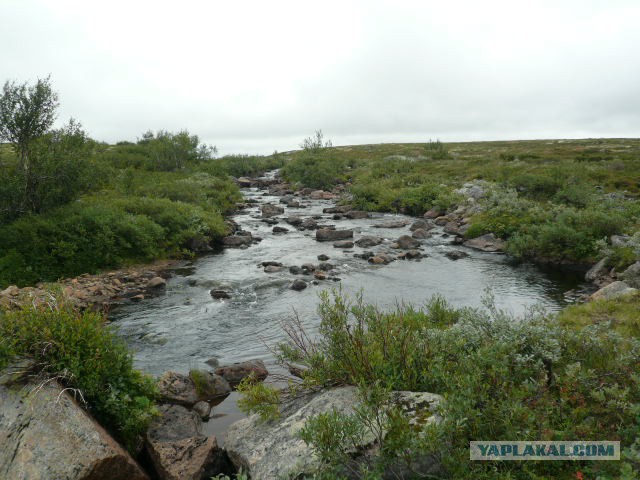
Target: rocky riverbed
285	247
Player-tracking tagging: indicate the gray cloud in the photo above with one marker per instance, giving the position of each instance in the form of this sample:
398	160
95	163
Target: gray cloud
258	76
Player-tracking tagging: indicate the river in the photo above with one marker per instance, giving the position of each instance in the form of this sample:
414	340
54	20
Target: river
185	326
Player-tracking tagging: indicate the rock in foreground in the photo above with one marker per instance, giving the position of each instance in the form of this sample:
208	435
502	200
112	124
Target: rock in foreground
177	448
44	434
274	450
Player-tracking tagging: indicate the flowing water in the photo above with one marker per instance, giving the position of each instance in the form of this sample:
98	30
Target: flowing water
185	326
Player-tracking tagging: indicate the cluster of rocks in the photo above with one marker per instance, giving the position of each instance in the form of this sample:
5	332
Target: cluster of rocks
45	433
320	271
96	291
174	442
611	283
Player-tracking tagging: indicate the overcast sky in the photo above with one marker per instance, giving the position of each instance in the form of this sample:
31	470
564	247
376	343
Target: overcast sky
259	76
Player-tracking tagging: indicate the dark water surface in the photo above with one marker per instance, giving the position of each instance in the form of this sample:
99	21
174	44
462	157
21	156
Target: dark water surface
184	327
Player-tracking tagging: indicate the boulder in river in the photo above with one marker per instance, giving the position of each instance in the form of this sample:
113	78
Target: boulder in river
356	214
44	434
268	450
421	233
456	254
487	243
308	224
293	220
298	285
237	241
420	225
323	258
268	263
452	228
406	242
272	269
203	409
392	224
236	372
331	235
369	241
181	389
220	294
338	209
177	448
268	210
380	259
280	230
343	244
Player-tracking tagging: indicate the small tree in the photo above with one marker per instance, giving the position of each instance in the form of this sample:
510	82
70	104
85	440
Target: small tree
315	143
26	113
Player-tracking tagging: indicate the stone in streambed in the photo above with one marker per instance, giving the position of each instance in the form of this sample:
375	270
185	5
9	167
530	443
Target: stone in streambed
298	285
330	235
236	372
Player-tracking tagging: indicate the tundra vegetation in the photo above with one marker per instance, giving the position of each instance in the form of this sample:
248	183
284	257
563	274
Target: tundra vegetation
554	201
71	205
539	377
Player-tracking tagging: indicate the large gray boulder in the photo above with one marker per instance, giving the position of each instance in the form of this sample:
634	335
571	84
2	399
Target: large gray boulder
331	235
268	450
613	290
177	448
44	435
632	275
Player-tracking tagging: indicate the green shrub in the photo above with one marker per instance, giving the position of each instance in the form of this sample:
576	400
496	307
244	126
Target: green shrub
100	232
622	257
502	378
80	351
258	398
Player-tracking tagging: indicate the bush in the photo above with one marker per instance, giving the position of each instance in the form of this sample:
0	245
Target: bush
258	398
100	232
85	355
502	378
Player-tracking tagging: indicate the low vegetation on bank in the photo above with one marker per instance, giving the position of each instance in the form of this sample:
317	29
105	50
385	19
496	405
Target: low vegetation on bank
556	201
71	205
76	349
502	378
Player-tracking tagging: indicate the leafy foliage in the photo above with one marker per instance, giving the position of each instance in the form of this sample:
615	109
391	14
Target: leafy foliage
502	378
85	355
258	398
93	234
